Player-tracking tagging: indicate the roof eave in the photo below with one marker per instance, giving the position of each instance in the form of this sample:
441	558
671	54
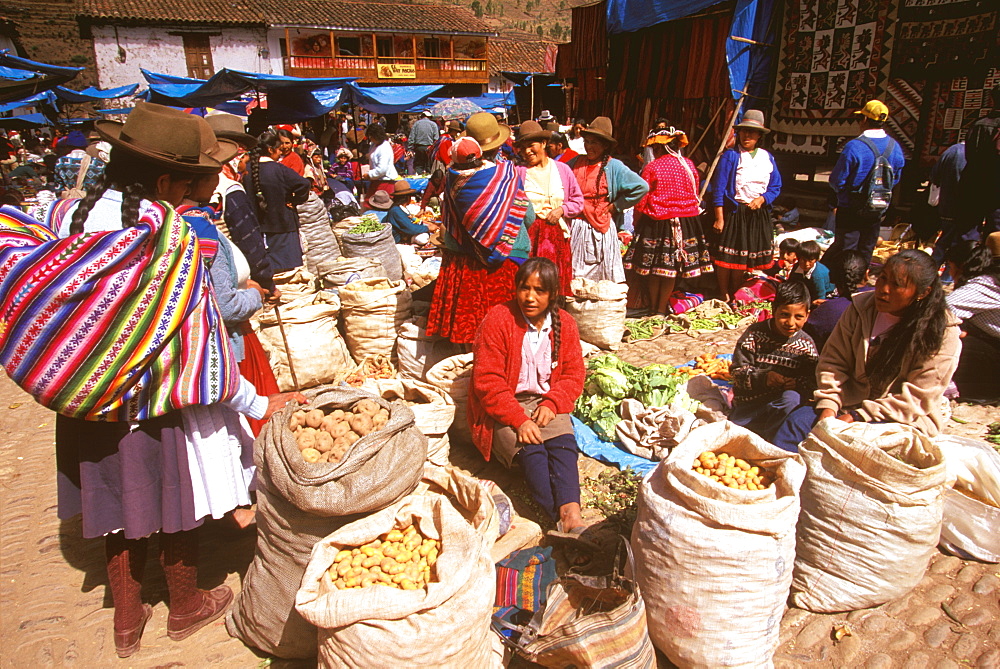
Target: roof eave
470	33
139	21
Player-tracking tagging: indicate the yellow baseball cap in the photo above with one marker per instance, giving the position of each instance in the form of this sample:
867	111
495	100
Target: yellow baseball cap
875	110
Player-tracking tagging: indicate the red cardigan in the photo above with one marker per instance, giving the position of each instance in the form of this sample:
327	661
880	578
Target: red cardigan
497	355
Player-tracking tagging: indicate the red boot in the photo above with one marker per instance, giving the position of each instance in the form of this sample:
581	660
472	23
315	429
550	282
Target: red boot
126	563
190	608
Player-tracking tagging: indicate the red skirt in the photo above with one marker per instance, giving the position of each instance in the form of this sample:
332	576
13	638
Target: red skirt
465	292
549	241
255	368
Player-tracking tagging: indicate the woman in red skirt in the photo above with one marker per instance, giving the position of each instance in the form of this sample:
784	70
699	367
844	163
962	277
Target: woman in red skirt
555	196
484	216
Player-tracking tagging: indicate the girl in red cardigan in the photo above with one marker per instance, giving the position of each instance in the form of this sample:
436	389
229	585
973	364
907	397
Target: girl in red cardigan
527	376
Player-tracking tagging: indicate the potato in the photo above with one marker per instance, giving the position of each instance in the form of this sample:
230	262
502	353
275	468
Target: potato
338	414
297	419
352	437
311	455
385	412
367	406
306	440
379	421
340	444
324	442
732	472
314	418
362	424
339	429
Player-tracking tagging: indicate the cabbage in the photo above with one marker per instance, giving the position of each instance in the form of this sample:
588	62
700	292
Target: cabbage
609	381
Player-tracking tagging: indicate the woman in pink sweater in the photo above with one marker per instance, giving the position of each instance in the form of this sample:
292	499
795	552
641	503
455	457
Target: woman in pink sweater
527	376
668	240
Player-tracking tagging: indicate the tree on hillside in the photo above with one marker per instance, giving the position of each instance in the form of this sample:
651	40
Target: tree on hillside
540	31
477	8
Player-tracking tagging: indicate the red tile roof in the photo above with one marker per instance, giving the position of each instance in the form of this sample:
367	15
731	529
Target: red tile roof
319	13
517	54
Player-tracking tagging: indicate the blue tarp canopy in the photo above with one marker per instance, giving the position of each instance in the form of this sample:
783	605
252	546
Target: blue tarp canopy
525	78
45	97
24	121
627	16
388	99
20	77
92	94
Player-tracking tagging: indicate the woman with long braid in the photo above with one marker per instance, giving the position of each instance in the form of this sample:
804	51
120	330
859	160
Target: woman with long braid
609	188
120	335
527	377
276	190
668	240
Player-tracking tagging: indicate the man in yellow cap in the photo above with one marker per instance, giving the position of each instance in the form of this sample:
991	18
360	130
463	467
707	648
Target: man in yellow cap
862	191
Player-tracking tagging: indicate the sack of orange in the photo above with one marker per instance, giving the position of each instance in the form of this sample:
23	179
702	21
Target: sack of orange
710	364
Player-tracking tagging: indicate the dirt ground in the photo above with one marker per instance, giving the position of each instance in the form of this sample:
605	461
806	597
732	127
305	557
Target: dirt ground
55	606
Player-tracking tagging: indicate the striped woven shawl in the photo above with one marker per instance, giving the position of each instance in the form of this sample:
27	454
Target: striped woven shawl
112	326
484	210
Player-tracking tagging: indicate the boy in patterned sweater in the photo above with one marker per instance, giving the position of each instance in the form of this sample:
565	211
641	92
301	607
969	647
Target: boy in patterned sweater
774	364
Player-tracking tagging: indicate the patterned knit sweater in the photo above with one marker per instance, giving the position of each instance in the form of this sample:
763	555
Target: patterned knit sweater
763	349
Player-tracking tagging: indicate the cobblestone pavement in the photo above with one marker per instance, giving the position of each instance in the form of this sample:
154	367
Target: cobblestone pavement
55	609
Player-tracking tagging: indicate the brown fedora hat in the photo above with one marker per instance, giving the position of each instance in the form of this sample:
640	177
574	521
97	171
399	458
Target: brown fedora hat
602	129
380	200
402	187
485	129
753	119
453	126
230	126
531	131
168	137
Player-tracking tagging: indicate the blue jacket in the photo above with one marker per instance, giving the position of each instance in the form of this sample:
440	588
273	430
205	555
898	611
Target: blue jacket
403	227
855	163
724	181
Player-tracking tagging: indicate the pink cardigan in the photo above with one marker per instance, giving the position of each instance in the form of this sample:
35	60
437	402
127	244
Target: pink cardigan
572	195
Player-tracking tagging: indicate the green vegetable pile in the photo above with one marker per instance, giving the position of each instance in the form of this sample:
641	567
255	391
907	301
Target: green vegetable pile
610	380
993	435
645	328
369	223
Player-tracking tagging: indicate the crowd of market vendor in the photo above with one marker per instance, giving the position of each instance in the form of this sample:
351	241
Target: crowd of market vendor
129	226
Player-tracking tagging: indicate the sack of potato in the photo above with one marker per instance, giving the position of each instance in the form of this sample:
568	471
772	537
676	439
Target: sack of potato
713	555
298	502
346	270
318	351
295	284
433	411
371	367
405	607
872	506
372	311
598	307
453	375
418	352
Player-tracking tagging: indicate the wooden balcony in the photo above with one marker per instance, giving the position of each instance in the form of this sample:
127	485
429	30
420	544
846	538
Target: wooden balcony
365	69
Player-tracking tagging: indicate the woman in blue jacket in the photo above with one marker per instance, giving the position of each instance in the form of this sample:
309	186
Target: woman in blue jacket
745	184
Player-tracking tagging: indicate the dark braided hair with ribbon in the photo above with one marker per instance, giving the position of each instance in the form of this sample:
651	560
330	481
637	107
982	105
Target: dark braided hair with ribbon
548	276
266	143
132	175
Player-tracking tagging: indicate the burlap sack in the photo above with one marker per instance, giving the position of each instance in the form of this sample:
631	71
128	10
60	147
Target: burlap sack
714	564
972	506
298	503
418	352
433	411
453	375
871	514
378	245
598	307
320	247
318	351
446	624
346	270
295	284
373	316
342	226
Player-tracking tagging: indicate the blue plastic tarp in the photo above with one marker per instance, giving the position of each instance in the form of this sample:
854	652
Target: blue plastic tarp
92	94
46	97
592	446
15	67
626	16
750	64
24	121
388	99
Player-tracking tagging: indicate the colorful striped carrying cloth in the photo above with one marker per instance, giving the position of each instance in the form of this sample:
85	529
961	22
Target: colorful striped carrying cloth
486	206
112	326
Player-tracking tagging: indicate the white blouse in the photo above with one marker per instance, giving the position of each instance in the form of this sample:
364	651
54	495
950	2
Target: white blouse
753	174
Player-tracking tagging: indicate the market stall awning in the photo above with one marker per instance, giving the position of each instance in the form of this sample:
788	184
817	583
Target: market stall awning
45	97
20	77
24	121
388	99
527	78
627	16
93	94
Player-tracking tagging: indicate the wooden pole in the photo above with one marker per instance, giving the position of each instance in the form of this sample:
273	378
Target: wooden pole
708	127
722	145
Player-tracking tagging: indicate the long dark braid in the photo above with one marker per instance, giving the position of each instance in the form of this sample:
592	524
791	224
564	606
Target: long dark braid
266	142
604	166
86	204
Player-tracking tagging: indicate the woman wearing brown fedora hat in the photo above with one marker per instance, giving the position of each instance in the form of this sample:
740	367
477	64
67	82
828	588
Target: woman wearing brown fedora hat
744	186
404	229
484	220
145	336
555	197
609	188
